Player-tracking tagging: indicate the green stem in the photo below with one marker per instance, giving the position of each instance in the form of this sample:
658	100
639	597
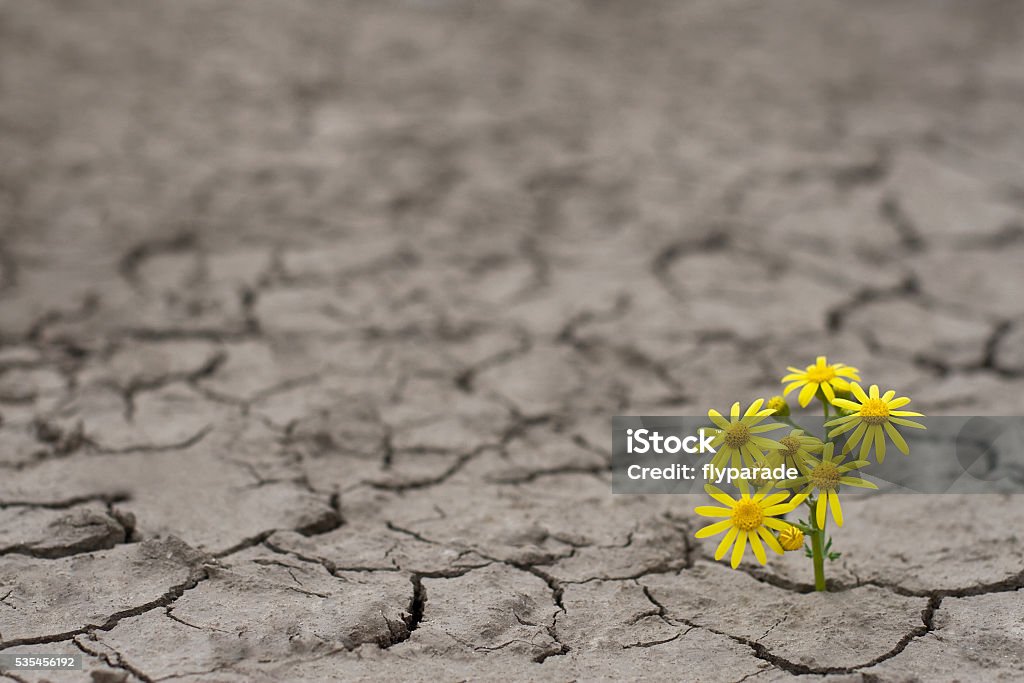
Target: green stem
818	552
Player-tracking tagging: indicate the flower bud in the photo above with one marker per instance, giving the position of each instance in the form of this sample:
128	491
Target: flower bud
779	405
791	538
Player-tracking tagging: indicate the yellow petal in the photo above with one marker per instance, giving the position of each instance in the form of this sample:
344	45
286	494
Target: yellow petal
829	394
755	544
858	482
837	511
714	529
717	418
723	545
770	540
719	495
737	550
906	423
858	392
879	444
855	437
791	387
865	446
765	428
897	438
774	499
819	510
844	403
807	393
712	511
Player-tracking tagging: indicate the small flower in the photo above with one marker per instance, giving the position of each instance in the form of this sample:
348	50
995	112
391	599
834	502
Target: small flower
821	375
747	519
796	448
791	538
779	405
736	439
824	477
873	417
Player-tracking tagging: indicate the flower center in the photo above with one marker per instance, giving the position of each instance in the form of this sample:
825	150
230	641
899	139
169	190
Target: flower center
874	411
747	515
736	434
790	445
825	476
816	374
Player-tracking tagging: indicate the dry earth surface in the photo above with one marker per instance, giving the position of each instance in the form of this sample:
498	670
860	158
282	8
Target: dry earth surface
314	315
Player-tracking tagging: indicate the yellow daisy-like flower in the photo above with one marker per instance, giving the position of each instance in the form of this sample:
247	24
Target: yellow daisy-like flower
736	439
824	477
746	519
873	417
821	375
796	447
791	538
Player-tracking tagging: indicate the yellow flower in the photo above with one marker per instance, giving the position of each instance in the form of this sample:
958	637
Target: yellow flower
795	449
791	538
821	375
736	439
873	417
824	477
747	519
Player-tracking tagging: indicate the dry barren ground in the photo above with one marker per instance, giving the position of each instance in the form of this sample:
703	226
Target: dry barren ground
314	315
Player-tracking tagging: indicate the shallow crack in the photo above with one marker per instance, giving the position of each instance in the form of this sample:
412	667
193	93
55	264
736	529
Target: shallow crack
113	659
893	214
135	257
184	444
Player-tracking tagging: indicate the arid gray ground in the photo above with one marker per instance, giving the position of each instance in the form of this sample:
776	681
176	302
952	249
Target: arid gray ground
314	316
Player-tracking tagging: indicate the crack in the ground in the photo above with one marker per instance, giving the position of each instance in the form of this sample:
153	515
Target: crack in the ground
138	385
196	576
135	257
113	659
105	498
183	444
762	652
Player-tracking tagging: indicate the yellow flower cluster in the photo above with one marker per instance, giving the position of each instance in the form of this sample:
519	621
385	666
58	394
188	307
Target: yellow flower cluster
754	516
